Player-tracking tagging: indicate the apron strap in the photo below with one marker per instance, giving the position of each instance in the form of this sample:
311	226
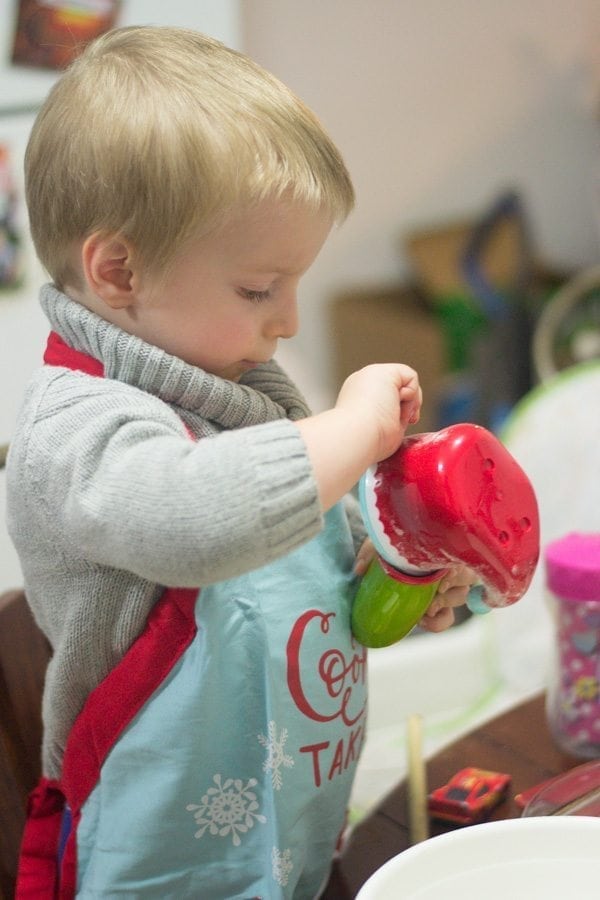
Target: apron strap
108	710
170	629
58	353
48	857
37	876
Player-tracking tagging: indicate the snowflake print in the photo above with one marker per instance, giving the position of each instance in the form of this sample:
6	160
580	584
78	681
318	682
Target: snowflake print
276	757
230	808
282	865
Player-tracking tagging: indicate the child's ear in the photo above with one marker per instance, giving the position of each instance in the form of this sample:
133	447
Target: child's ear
108	268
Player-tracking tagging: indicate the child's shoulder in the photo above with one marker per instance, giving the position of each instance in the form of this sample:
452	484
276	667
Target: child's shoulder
56	389
60	405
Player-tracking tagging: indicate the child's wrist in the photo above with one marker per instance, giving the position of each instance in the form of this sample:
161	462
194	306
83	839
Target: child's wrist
360	436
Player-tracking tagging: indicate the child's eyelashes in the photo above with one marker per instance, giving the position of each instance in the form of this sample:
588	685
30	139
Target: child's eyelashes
255	296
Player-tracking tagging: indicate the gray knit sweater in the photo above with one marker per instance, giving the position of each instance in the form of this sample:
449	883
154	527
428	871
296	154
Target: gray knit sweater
109	500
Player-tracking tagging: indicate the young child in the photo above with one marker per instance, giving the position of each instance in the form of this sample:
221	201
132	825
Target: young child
175	506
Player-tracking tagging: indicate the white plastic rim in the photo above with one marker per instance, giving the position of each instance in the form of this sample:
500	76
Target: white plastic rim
543	858
370	514
554	434
557	309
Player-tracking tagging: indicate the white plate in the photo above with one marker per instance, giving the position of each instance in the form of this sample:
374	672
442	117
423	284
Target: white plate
517	859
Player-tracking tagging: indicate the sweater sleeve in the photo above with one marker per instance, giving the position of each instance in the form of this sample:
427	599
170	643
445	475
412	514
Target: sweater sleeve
355	520
113	476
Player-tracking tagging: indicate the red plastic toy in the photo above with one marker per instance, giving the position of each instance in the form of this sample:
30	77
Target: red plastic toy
575	792
446	497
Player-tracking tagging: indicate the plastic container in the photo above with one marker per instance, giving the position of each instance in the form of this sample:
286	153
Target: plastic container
573	696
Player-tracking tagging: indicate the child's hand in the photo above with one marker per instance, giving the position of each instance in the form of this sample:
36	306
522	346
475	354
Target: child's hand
385	399
367	424
364	556
453	591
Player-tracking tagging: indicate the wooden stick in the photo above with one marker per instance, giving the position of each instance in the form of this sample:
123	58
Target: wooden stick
417	782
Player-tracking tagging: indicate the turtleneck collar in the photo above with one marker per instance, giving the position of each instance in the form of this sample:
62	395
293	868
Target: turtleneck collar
263	395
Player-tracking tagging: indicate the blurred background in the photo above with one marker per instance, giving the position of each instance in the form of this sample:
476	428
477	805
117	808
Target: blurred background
439	109
471	130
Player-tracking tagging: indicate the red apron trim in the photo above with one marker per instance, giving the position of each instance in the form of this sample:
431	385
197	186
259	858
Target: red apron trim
37	877
108	710
58	353
110	707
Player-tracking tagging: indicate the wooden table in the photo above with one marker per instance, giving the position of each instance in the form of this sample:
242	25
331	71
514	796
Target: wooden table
517	742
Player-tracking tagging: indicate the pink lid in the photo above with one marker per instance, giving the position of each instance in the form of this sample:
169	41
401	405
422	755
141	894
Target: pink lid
573	566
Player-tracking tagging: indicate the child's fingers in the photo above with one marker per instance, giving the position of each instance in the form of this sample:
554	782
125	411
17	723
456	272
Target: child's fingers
411	399
457	576
454	596
414	416
363	557
448	599
453	591
440	620
410	412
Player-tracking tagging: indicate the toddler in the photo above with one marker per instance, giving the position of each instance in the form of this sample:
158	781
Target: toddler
182	520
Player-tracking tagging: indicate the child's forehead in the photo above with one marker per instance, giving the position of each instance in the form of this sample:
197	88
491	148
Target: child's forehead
272	235
270	214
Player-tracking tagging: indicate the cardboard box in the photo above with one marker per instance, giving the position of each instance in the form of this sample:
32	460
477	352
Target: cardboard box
436	256
389	325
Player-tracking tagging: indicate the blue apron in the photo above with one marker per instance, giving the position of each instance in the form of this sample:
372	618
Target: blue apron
233	779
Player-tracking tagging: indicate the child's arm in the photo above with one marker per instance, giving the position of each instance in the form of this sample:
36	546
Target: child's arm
367	424
110	473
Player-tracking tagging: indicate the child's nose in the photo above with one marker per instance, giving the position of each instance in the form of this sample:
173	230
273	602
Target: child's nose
284	321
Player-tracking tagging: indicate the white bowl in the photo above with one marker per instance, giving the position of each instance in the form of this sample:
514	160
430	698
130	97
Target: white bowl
543	858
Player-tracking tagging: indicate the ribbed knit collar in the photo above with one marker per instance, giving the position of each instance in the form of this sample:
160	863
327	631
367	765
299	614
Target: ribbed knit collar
264	394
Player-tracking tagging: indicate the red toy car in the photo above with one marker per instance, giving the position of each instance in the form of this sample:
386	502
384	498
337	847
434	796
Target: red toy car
469	796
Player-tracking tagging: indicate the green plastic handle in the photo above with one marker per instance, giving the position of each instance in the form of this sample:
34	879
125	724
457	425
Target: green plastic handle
386	609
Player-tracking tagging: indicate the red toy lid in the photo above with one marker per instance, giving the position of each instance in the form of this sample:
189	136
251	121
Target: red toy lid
458	496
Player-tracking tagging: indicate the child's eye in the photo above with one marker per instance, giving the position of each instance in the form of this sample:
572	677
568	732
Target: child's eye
255	296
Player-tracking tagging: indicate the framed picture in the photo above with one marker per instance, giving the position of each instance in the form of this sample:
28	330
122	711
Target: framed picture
49	34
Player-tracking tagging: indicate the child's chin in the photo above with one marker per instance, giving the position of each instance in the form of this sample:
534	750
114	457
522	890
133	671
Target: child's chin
234	373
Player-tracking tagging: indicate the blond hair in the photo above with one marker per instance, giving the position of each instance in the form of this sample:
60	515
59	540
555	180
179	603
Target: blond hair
155	133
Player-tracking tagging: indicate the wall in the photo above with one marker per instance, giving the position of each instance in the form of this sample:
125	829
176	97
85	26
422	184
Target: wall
437	107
